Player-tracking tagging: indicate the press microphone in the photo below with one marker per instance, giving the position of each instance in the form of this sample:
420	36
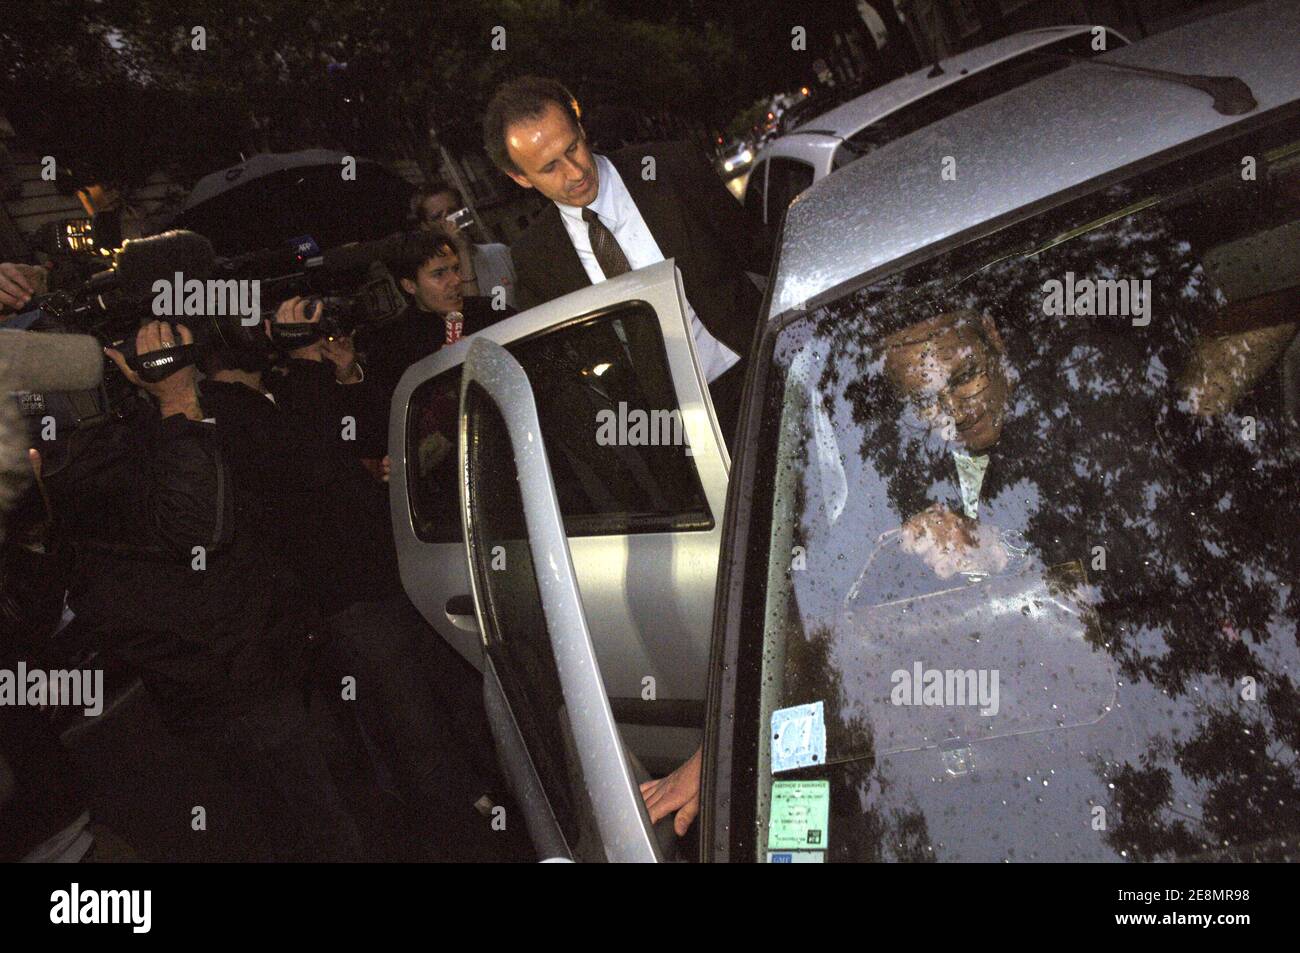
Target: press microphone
33	361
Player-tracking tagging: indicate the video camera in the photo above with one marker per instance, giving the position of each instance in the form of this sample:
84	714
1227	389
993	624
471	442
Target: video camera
176	276
351	283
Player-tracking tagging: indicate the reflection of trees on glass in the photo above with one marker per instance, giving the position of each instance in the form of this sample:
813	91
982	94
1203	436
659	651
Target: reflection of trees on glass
866	822
1162	444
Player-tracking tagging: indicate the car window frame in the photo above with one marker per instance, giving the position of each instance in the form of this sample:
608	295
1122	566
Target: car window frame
434	575
762	164
790	162
590	524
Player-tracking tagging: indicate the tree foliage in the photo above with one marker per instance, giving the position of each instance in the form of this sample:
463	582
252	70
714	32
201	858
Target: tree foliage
119	88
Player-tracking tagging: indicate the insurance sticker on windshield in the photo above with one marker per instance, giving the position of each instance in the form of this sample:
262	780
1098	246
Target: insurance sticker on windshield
799	817
796	857
798	737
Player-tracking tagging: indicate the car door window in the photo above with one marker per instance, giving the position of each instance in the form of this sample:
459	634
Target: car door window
611	422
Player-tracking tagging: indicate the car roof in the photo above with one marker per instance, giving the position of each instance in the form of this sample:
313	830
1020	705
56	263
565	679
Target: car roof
847	119
1025	146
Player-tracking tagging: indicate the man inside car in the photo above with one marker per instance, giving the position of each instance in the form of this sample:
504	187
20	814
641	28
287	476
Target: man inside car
952	369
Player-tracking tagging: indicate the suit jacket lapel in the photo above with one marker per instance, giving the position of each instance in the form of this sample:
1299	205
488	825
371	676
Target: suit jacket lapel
568	273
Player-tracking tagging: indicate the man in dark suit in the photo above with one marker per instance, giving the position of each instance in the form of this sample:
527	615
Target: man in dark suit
613	214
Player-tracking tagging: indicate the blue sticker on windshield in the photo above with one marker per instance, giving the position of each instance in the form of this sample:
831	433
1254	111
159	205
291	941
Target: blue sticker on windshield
798	737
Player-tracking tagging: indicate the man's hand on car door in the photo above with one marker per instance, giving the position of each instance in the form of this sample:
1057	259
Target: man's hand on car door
679	792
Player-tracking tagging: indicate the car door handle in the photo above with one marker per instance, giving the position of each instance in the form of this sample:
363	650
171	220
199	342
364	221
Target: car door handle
460	613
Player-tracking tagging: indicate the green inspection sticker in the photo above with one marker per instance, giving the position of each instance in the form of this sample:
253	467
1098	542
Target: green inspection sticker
800	814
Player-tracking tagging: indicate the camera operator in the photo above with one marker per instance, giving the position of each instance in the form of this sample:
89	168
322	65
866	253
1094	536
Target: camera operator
284	432
172	578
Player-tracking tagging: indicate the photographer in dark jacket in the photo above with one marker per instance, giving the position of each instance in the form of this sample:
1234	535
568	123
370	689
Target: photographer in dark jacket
172	578
287	433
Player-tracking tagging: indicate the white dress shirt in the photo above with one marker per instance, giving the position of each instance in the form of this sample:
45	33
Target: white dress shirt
970	476
618	213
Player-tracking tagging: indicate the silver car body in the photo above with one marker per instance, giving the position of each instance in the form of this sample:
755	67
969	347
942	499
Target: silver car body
624	830
1030	145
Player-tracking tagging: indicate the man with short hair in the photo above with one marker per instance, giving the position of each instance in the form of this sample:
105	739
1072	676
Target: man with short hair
613	214
429	270
440	313
487	267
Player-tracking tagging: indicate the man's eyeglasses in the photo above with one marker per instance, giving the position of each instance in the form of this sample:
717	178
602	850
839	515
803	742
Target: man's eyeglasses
965	382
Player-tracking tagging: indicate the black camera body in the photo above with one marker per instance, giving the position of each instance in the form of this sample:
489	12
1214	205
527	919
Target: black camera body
351	281
348	299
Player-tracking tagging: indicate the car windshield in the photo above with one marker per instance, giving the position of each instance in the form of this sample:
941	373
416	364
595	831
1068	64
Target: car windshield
1028	532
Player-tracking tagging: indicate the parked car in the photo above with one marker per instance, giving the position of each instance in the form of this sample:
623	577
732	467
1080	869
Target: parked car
825	132
1006	566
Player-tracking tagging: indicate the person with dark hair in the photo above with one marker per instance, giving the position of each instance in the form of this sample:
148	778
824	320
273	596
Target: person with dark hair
428	269
484	267
172	576
327	523
612	214
952	369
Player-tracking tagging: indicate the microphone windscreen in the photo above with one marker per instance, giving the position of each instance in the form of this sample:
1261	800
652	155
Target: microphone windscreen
36	361
142	261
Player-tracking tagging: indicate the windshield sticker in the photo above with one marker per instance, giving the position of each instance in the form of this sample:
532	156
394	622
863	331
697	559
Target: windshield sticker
796	857
800	816
798	737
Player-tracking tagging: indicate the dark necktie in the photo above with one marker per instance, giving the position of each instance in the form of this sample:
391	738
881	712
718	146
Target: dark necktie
604	246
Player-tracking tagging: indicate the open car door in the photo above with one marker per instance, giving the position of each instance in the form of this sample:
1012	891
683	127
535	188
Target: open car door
543	691
640	472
